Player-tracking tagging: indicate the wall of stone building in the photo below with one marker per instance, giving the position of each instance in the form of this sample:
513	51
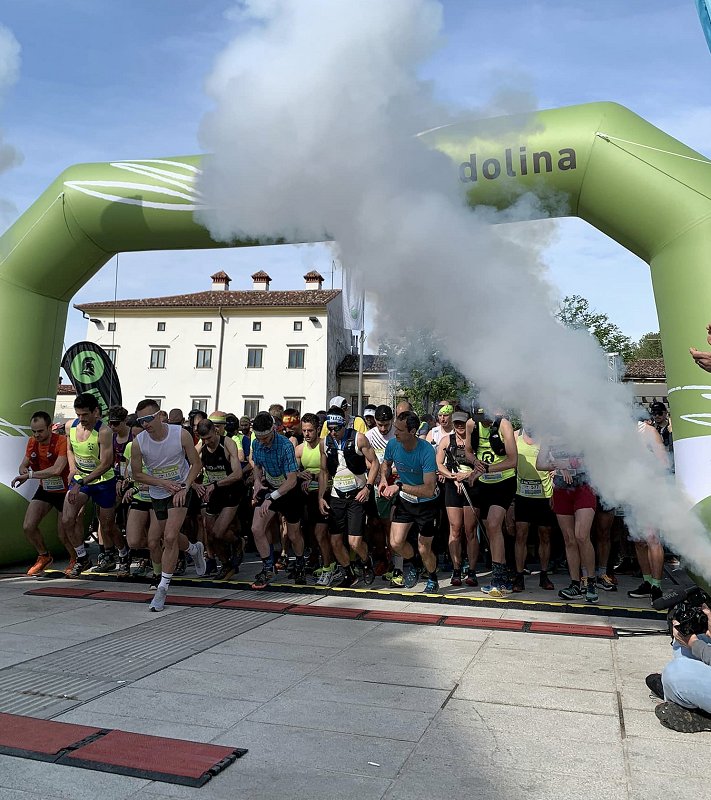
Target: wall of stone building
375	388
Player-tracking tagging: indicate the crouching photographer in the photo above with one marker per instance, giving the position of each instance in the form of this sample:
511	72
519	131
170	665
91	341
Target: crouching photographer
685	682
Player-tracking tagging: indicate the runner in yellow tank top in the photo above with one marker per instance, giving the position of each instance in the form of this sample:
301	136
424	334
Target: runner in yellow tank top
491	449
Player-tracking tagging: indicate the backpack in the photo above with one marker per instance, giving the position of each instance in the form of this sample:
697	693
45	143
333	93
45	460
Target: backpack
495	441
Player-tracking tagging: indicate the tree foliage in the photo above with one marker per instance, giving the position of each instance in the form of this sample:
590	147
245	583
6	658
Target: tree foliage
649	346
575	312
424	374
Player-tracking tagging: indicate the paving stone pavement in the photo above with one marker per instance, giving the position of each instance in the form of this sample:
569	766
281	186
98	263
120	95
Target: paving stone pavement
334	708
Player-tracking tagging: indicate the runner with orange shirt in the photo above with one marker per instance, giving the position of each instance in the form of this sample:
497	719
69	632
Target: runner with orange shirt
45	460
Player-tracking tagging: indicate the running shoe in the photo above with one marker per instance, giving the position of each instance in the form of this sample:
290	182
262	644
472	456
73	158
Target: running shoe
262	579
626	566
181	566
605	582
368	571
499	590
643	590
158	601
456	579
572	592
325	568
326	575
545	582
210	567
412	577
398	579
40	565
225	573
70	566
105	563
655	595
80	565
683	720
155	580
591	595
518	584
282	562
471	578
344	579
200	561
300	576
124	567
654	684
142	568
432	586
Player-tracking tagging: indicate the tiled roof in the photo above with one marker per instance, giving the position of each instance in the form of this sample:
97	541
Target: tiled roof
313	276
66	389
646	368
261	276
220	276
370	364
229	299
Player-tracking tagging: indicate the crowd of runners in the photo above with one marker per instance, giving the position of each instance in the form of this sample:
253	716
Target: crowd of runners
329	498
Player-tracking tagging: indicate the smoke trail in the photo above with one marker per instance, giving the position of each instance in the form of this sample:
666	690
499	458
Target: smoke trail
316	107
10	156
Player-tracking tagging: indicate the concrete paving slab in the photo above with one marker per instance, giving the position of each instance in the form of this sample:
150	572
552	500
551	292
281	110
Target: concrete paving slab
400	674
277	672
439	637
328	715
33	646
339	752
374	693
277	650
652	786
546	643
404	653
53	780
656	755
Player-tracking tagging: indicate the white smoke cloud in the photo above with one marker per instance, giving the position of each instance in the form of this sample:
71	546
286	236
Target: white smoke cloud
316	107
10	156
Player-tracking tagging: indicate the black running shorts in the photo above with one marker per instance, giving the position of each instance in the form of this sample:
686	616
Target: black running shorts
422	516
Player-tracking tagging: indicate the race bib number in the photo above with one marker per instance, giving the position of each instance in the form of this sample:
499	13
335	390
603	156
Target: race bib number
530	488
345	483
169	473
274	480
53	484
85	464
491	477
216	474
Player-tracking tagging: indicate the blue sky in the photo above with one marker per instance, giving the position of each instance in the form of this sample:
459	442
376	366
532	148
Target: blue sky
101	80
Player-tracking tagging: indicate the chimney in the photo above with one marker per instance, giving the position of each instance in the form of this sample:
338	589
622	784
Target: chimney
261	281
314	280
220	281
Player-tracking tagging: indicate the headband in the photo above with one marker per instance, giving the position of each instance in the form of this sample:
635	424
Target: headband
288	419
335	419
446	409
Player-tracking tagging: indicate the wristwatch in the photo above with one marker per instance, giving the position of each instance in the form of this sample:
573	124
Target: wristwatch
369	487
79	481
398	484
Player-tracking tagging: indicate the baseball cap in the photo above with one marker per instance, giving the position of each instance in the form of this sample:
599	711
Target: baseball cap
369	411
460	416
657	408
244	420
338	401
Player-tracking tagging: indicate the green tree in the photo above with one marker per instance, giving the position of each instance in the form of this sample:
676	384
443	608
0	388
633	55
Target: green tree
649	346
424	374
574	312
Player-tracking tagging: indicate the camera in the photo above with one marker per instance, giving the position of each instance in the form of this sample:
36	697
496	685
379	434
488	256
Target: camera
685	608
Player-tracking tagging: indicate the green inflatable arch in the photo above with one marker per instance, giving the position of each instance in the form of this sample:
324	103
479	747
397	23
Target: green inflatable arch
599	162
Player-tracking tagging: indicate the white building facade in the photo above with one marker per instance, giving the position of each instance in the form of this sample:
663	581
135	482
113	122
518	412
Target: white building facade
239	351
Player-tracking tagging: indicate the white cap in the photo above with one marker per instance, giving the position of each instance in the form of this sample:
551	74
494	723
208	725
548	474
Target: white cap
369	411
337	401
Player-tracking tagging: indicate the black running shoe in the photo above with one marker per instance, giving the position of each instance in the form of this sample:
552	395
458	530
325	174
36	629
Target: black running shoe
518	583
300	575
262	579
345	579
683	720
654	684
81	565
368	571
181	566
655	594
471	578
643	590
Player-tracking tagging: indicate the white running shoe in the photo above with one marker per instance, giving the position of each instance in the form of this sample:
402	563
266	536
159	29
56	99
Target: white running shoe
326	577
198	558
158	601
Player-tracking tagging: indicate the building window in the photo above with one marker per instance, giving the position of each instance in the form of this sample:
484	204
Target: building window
291	402
256	326
354	402
298	326
157	359
254	358
200	404
251	408
207	326
204	358
111	353
161	326
296	357
157	400
112	326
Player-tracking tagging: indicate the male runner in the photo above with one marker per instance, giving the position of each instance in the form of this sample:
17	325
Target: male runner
356	422
220	492
90	453
345	455
45	460
443	428
292	426
415	489
122	436
491	449
275	492
534	489
369	417
164	457
308	457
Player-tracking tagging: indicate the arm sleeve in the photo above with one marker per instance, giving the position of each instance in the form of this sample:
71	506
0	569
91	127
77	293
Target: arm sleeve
701	651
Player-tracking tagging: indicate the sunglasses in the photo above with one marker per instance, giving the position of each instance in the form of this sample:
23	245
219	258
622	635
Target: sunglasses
147	419
335	427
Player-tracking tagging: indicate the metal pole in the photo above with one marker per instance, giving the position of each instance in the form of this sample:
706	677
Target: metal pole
219	359
361	344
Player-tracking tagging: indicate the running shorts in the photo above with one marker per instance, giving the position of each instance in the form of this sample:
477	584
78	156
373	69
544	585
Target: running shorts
140	505
103	493
55	499
290	505
313	511
534	511
455	499
162	505
224	497
486	495
422	516
347	514
567	501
